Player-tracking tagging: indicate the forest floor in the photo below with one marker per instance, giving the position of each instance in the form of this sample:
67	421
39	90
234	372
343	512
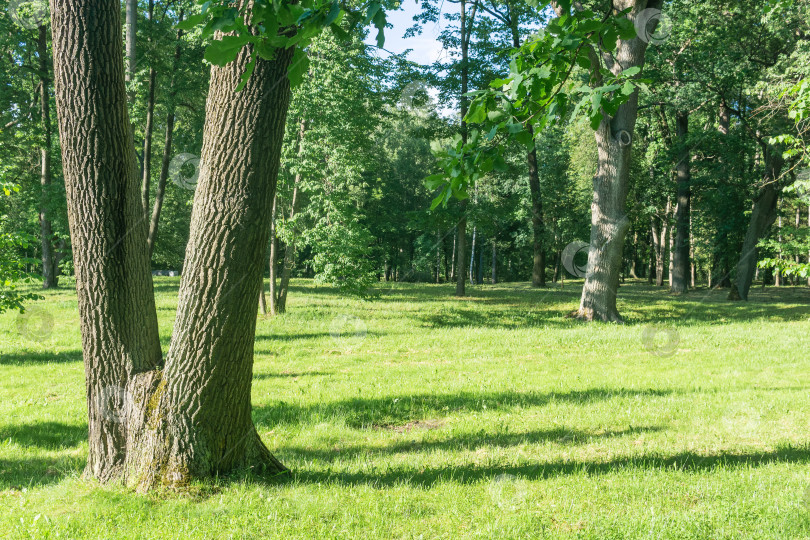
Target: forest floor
417	415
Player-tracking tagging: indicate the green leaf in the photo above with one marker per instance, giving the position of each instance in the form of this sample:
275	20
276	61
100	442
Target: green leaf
191	22
223	51
299	66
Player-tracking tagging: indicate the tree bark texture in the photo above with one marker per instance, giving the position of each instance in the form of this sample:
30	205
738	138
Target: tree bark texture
113	280
609	222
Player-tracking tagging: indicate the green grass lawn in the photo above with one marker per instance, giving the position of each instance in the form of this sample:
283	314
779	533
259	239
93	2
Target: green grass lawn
417	415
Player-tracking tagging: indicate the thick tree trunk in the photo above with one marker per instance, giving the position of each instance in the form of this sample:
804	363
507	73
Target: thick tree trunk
204	423
114	285
50	262
762	217
680	254
609	222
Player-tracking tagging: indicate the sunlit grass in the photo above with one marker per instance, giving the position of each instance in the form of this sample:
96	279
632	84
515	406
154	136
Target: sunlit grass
417	415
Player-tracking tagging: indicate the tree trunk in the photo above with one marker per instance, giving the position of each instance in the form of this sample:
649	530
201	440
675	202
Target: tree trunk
271	268
147	133
114	285
609	222
494	263
762	217
479	275
131	38
50	262
438	255
289	257
472	257
167	147
461	241
539	254
289	252
203	416
680	254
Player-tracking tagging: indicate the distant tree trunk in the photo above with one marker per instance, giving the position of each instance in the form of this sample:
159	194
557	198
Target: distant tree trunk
461	241
289	250
479	276
289	258
808	253
167	147
609	222
693	267
681	249
147	133
762	217
50	262
272	268
117	312
131	37
472	257
777	275
494	263
438	255
453	259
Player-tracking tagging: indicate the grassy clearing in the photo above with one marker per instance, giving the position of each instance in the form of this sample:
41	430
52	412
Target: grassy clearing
421	416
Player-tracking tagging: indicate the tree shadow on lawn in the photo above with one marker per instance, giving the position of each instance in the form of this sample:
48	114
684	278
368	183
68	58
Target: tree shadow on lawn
30	357
39	471
425	477
48	435
290	375
465	441
398	410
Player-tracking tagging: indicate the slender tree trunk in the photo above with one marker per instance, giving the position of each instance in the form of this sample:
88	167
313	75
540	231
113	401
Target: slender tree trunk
50	262
453	258
131	38
461	241
438	255
494	263
479	276
681	249
114	285
808	253
777	275
165	163
271	267
762	217
609	222
472	257
289	257
147	133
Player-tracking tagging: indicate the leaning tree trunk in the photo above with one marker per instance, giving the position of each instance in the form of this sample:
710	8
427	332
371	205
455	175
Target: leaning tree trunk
609	222
50	262
762	217
679	275
203	417
116	302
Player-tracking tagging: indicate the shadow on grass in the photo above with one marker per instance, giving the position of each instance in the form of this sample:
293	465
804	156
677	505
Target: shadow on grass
49	435
469	474
39	471
290	375
21	358
466	441
397	410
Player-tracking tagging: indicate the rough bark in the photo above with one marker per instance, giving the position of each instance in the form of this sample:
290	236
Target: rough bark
763	216
50	261
681	249
114	285
609	222
204	424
